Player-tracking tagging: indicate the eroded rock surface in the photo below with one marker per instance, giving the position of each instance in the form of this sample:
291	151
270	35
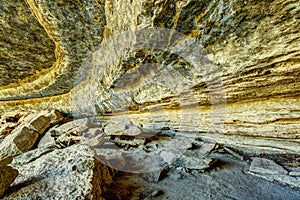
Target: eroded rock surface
70	173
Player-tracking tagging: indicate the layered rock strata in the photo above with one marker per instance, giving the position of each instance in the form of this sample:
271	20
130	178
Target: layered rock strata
238	84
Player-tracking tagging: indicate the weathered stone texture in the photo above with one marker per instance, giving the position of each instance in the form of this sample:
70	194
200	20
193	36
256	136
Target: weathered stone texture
246	91
26	51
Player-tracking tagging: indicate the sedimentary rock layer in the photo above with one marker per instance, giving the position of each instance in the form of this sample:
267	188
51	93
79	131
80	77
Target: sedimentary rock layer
227	67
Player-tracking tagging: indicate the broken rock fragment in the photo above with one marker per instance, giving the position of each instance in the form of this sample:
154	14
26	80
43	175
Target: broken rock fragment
266	166
7	176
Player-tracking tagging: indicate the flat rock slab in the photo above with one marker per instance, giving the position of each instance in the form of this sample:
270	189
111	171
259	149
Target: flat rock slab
266	166
269	170
70	173
7	176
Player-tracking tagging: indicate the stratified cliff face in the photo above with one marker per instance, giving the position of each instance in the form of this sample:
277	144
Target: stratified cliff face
227	70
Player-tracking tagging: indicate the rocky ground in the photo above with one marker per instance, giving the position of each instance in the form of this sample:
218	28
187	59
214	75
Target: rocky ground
48	155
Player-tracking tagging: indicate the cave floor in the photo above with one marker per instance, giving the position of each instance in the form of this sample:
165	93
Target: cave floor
228	180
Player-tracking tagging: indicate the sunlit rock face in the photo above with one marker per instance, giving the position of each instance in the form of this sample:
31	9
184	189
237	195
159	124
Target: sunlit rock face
226	70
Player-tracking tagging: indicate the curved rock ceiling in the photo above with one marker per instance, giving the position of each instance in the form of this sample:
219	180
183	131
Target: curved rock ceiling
254	45
26	51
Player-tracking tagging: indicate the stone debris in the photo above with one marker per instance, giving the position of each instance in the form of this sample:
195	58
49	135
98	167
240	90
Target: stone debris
85	157
21	139
41	120
94	137
266	166
7	176
26	133
66	134
166	133
126	142
206	148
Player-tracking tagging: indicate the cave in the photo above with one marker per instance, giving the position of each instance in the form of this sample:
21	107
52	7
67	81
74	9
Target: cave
149	99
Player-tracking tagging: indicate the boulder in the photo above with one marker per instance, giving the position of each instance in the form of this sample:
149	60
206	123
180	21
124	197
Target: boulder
7	176
41	120
154	175
69	173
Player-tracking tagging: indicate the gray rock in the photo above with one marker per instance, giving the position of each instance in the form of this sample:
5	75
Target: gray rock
168	156
69	173
122	126
281	178
47	139
93	137
113	157
266	166
154	194
77	126
7	176
194	163
294	173
155	175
